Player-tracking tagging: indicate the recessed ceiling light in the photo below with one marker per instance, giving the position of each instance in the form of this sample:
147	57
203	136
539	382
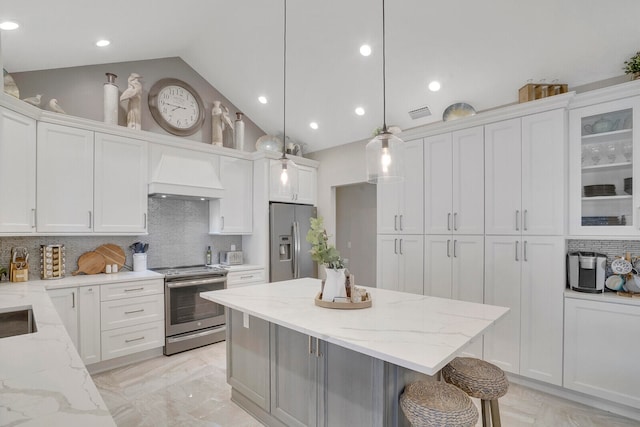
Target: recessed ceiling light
164	196
434	86
103	43
9	25
202	198
365	50
360	111
313	125
262	99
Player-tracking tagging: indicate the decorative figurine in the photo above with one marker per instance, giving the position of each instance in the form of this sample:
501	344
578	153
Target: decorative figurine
219	122
34	100
134	95
54	106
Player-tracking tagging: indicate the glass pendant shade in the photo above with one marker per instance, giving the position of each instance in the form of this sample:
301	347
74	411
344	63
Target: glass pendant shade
287	172
384	158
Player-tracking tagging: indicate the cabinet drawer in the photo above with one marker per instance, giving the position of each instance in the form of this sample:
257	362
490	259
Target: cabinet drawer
240	278
115	291
131	311
132	339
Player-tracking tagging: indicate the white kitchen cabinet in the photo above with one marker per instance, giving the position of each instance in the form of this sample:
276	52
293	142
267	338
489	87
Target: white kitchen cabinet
399	265
89	324
120	184
17	173
132	317
525	179
233	214
253	276
64	179
66	303
454	268
400	204
525	274
302	188
603	151
453	170
600	349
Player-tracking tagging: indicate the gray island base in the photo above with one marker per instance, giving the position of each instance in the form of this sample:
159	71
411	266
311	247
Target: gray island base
291	363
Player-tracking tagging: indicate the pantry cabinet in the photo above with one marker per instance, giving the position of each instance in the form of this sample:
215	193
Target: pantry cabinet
17	173
120	184
64	179
454	268
600	346
525	179
399	262
233	214
400	204
604	163
453	172
526	274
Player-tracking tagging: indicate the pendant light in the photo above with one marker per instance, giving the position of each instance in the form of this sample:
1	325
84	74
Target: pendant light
285	167
384	151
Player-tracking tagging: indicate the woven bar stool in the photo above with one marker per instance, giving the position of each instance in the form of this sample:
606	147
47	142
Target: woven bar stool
479	379
437	404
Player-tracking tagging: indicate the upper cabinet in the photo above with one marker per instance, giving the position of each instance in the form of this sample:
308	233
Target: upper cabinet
300	189
120	197
17	173
65	179
603	167
85	187
400	204
453	168
233	213
525	175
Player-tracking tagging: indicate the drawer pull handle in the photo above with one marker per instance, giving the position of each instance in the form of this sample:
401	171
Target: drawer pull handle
134	339
134	289
246	277
134	311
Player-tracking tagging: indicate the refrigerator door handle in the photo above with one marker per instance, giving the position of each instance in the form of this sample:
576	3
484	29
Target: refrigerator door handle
296	249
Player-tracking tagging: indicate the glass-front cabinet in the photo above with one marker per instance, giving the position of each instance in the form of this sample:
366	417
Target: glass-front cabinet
604	156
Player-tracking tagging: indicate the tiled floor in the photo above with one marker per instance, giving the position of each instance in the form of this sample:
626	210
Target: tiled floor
190	389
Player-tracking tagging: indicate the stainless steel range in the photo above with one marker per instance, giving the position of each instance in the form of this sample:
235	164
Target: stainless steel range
191	321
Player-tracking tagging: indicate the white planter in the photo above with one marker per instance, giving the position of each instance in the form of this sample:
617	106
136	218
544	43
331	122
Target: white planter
334	285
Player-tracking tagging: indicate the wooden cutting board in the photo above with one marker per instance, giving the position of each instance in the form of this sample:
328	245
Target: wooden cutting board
90	263
113	254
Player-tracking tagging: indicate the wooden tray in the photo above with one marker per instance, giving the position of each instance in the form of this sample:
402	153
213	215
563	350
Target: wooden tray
343	305
629	294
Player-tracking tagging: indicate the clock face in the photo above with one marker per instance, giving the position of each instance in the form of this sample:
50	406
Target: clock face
176	107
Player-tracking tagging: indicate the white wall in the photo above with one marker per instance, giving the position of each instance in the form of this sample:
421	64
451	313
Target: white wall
341	165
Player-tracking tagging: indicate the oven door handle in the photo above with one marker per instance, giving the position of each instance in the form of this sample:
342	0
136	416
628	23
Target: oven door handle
188	283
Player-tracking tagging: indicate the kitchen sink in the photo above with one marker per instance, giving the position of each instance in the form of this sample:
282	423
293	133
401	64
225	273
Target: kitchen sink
17	322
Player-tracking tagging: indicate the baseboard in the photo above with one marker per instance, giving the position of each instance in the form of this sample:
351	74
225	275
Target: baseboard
254	410
118	362
575	396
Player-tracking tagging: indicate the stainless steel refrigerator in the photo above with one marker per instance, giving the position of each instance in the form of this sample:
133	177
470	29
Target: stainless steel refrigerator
289	250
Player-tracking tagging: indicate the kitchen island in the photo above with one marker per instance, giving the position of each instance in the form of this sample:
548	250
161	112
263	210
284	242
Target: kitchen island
293	363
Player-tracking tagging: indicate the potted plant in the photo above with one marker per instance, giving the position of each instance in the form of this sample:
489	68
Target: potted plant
327	255
632	66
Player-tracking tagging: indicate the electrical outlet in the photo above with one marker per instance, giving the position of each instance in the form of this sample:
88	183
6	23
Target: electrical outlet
245	320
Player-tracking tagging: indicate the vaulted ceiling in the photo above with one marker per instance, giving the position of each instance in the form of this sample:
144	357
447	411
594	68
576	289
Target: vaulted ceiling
481	52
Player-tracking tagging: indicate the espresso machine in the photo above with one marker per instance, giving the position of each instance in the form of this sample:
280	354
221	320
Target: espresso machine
586	271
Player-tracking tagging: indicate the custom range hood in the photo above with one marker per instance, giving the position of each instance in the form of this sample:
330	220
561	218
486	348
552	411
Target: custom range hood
184	174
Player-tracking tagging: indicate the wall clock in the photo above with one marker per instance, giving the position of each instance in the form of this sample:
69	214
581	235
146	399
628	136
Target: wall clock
176	107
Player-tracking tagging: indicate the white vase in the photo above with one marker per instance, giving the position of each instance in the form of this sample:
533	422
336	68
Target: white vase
238	134
334	285
111	98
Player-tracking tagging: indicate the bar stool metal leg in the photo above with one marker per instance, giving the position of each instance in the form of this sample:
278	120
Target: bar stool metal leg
495	413
486	417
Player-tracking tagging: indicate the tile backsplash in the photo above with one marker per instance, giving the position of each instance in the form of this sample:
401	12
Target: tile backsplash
611	248
178	235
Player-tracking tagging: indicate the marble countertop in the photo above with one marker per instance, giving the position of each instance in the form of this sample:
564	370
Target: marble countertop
43	381
417	332
610	297
96	279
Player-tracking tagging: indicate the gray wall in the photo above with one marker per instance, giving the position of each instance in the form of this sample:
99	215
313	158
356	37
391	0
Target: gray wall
356	223
178	235
79	92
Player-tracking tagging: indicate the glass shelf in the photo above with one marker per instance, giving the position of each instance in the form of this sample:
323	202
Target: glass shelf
608	166
607	198
607	136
